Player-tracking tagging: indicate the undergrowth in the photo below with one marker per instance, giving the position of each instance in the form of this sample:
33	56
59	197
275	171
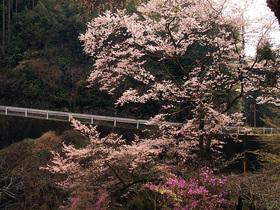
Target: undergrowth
24	186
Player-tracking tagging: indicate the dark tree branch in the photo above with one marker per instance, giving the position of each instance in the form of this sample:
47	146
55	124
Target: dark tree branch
115	172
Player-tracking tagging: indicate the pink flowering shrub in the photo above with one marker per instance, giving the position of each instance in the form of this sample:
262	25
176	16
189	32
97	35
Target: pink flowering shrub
204	191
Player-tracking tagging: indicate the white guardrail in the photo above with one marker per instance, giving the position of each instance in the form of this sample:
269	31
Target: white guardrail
251	131
65	116
86	118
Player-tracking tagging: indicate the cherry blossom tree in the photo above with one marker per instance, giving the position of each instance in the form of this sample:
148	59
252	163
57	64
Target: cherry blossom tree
199	88
196	89
185	54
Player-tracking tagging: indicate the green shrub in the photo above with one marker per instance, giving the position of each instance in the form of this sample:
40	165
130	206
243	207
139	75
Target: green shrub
74	137
270	150
28	141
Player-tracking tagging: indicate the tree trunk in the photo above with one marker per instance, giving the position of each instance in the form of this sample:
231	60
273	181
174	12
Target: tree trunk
16	7
201	148
201	137
3	28
9	21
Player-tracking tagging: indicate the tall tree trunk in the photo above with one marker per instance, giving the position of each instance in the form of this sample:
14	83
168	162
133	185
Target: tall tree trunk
3	28
9	21
201	137
201	148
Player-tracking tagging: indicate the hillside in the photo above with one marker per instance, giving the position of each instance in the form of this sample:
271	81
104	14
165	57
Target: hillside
42	62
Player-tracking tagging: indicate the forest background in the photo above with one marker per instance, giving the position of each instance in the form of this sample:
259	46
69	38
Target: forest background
43	65
42	62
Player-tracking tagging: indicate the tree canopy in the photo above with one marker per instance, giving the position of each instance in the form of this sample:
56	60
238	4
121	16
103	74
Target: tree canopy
199	88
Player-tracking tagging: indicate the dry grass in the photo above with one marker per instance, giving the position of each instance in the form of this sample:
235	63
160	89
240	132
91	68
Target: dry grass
259	190
22	184
48	141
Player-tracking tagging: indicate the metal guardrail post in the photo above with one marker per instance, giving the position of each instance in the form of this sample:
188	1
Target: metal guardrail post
6	111
115	122
91	121
137	124
25	113
47	117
